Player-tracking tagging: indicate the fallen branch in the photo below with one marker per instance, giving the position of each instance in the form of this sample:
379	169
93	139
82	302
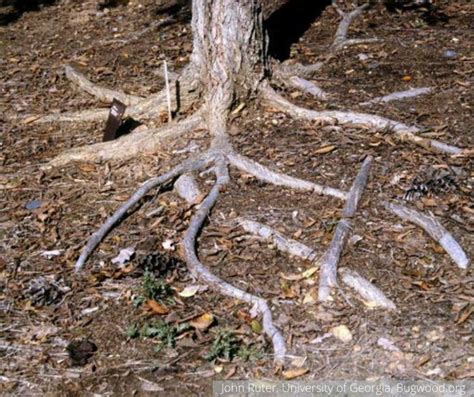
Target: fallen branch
372	296
259	305
399	95
98	236
103	94
283	243
267	175
402	131
328	273
434	229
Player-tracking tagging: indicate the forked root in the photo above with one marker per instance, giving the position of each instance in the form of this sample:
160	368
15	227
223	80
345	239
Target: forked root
402	131
267	175
259	305
98	236
328	274
127	146
340	38
434	229
369	293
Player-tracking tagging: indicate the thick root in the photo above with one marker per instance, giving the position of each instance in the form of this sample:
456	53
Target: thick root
131	145
434	229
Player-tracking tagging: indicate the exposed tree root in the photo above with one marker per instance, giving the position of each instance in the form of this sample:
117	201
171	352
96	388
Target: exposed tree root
434	229
399	95
265	174
402	131
372	296
183	95
306	87
127	146
187	166
340	38
328	273
283	243
259	305
101	93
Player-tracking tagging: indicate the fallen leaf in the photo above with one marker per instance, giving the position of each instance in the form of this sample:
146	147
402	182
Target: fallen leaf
189	291
407	78
124	256
325	149
294	373
256	326
156	307
202	322
342	333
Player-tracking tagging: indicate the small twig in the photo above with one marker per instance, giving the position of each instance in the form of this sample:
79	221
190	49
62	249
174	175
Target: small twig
328	274
399	95
340	38
434	229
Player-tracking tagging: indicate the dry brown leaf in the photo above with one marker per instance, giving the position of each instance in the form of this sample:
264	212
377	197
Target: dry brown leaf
202	322
325	149
293	373
156	307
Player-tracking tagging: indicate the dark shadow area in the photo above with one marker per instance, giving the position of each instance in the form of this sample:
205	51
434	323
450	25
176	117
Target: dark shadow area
429	12
287	25
127	126
11	10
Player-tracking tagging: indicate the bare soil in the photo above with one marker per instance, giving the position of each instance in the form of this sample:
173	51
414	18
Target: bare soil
433	327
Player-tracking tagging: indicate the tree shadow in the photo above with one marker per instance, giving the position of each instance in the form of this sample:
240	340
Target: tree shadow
287	25
11	10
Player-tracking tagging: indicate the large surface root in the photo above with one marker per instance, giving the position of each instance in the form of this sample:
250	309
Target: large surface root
402	131
127	146
101	93
434	229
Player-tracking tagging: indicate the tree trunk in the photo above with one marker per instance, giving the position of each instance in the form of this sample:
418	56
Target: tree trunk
229	51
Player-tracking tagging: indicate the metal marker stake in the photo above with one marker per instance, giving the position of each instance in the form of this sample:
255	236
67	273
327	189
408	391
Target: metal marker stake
168	95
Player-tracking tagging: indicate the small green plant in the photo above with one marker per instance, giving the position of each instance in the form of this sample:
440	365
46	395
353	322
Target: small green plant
225	345
155	288
250	353
133	331
165	333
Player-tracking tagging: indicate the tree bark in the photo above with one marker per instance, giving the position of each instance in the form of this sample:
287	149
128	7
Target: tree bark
229	51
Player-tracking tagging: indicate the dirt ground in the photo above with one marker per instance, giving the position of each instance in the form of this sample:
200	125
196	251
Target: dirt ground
58	209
